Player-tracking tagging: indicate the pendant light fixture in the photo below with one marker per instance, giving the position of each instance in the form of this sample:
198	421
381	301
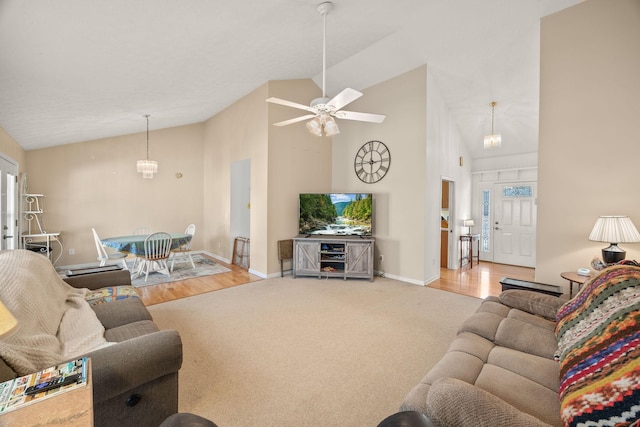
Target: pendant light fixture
147	167
493	140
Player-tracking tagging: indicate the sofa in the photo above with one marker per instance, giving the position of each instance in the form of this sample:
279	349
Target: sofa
530	359
134	364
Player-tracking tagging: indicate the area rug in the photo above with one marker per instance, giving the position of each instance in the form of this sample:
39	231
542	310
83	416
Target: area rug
181	271
306	352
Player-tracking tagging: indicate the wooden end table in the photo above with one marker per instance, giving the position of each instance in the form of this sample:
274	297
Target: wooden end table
470	238
574	277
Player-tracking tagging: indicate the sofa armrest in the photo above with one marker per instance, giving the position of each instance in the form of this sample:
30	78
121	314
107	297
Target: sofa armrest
100	280
532	302
128	364
453	402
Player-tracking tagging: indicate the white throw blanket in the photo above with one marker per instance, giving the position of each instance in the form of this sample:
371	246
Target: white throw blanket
55	323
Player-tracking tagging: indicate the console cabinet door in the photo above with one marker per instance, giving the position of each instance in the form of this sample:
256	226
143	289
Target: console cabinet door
360	259
306	257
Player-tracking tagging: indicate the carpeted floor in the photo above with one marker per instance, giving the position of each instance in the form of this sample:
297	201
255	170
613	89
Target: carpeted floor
308	352
181	271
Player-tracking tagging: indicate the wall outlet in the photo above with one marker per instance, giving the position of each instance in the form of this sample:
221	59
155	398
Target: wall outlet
72	251
381	258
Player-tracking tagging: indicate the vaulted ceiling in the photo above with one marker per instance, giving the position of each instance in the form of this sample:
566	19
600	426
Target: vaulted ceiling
78	70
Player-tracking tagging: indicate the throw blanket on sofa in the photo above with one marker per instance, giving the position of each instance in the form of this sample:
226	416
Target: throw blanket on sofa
599	350
55	323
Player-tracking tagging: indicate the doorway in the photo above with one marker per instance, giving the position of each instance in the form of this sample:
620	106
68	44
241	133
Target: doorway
8	203
446	225
514	224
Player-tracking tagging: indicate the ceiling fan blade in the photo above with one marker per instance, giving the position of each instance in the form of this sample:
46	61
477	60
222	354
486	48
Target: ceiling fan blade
363	117
289	104
343	98
296	120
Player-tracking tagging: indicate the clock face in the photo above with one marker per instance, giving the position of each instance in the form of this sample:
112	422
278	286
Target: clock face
372	162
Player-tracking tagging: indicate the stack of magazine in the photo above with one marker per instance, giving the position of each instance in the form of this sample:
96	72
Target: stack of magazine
52	381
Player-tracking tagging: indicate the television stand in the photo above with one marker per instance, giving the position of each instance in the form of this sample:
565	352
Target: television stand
333	256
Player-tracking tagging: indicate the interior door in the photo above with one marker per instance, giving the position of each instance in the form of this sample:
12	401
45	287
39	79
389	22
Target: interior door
444	225
8	204
514	227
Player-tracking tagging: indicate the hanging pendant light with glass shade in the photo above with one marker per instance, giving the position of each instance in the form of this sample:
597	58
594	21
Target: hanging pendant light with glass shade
493	140
147	167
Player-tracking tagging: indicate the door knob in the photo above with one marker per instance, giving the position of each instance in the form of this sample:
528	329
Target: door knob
496	228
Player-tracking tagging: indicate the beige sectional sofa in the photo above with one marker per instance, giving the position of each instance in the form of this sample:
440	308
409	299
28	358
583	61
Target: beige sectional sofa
135	373
530	359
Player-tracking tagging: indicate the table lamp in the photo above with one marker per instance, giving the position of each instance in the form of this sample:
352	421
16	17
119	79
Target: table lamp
614	229
468	223
7	321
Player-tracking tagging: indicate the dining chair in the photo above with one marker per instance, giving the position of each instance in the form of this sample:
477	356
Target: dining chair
157	248
104	256
184	251
139	231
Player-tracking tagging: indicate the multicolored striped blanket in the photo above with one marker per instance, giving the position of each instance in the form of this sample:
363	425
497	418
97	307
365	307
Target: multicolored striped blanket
599	351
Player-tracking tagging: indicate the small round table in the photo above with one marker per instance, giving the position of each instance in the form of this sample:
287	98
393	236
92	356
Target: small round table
574	277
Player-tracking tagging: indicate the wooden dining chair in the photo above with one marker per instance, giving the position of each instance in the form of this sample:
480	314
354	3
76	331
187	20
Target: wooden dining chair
157	248
104	256
139	231
184	251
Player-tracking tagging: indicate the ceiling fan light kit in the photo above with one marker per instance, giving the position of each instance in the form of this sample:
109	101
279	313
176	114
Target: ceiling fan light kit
493	140
323	110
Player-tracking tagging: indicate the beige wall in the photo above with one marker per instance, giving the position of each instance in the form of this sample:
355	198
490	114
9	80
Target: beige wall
399	198
284	162
425	146
95	184
589	126
299	162
10	148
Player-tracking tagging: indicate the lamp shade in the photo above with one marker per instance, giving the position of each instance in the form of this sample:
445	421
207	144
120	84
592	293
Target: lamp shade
614	229
7	321
468	223
315	127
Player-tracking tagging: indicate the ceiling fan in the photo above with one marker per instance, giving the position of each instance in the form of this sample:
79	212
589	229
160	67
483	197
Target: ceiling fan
323	110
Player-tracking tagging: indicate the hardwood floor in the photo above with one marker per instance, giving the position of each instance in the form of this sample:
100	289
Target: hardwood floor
155	294
480	281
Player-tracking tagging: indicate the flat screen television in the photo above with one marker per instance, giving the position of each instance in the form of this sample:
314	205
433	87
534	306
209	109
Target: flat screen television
336	214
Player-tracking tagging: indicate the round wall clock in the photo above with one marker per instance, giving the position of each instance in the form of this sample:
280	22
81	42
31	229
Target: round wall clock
372	162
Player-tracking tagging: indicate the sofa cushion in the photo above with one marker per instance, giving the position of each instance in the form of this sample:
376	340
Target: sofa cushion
455	403
130	330
532	302
522	393
541	370
525	337
599	349
121	312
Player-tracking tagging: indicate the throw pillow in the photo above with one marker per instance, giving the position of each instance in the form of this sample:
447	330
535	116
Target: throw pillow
113	293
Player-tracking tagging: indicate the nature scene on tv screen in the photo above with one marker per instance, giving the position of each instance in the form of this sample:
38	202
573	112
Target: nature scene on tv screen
338	214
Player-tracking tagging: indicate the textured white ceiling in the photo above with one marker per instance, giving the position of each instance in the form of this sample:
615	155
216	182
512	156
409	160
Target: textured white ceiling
78	70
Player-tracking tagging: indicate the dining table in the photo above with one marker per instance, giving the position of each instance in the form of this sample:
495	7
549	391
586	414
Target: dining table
134	244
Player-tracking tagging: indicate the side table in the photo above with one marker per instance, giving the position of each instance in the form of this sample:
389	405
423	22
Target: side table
469	239
73	408
574	277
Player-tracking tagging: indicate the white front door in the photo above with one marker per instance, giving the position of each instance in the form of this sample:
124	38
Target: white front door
514	224
8	204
